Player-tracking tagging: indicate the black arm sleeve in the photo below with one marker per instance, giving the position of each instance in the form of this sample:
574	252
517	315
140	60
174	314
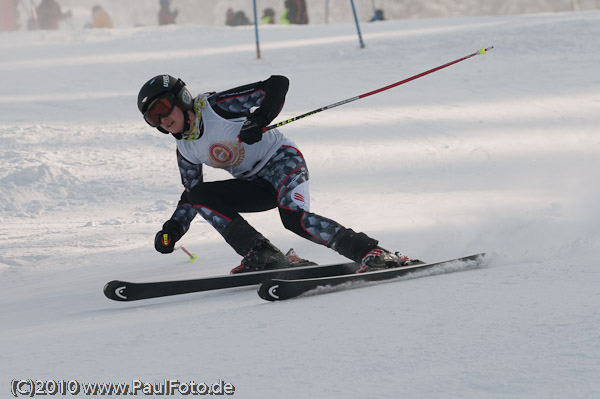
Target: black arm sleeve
267	95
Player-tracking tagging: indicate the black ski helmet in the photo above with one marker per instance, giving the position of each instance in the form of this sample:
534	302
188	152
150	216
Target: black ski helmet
162	84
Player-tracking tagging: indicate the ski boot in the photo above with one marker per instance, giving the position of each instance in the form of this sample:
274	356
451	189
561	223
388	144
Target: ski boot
298	261
379	259
264	256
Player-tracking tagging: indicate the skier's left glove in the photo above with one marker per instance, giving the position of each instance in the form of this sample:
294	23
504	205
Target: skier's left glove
165	240
253	129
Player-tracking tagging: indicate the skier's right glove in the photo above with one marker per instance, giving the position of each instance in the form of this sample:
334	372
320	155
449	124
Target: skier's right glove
253	129
165	240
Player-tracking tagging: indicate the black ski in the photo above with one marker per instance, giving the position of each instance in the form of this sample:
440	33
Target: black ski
127	291
278	289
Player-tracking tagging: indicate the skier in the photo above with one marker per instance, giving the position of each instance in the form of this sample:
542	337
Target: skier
226	130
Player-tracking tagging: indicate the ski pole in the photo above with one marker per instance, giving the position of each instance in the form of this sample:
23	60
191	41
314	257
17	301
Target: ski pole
192	256
483	50
360	40
256	33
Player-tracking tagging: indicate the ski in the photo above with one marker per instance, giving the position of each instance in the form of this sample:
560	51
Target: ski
278	289
125	291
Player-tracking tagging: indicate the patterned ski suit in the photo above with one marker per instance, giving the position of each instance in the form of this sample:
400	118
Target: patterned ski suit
267	174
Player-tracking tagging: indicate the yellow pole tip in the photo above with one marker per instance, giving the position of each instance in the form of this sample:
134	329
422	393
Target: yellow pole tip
482	51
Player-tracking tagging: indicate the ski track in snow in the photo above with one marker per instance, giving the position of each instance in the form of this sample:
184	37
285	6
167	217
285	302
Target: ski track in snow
496	154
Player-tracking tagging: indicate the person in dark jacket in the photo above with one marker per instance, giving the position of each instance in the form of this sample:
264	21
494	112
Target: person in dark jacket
49	14
294	12
268	16
166	16
236	18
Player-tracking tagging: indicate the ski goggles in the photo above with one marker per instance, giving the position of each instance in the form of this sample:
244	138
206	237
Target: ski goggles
160	108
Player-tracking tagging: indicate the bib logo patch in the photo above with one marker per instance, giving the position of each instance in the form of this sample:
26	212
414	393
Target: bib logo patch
226	154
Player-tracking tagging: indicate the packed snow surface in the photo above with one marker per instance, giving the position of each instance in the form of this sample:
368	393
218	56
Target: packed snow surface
499	153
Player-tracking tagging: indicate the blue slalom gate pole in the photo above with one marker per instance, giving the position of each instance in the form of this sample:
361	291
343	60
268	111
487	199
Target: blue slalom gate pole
256	32
362	45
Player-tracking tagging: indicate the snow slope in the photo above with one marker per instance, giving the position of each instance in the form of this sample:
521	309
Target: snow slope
498	153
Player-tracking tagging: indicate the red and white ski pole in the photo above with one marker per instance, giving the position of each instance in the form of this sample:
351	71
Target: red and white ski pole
483	50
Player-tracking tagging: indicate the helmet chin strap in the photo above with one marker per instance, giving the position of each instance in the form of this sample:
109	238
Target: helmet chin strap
187	123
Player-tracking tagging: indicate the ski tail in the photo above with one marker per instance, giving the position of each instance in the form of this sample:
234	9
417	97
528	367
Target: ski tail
281	289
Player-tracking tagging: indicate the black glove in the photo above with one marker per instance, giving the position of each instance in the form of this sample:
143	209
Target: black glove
165	240
253	129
